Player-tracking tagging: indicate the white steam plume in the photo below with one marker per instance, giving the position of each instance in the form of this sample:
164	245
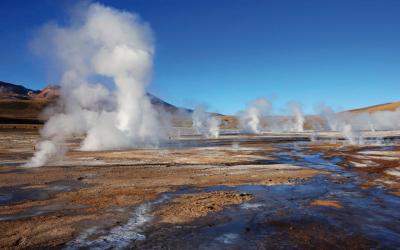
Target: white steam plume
378	120
250	119
352	124
348	133
342	123
298	117
100	43
293	124
331	120
204	123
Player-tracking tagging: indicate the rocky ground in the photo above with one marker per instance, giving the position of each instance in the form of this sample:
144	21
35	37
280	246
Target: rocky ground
140	198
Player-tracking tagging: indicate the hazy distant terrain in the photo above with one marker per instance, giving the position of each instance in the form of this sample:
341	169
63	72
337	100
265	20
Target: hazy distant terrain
22	105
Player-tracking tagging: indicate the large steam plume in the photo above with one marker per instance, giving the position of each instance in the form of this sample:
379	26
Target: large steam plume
100	43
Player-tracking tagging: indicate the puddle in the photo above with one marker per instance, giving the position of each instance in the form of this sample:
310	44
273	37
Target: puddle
37	211
315	161
11	195
378	148
17	194
295	156
201	142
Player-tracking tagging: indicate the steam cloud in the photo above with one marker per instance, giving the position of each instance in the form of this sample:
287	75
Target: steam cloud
204	123
100	43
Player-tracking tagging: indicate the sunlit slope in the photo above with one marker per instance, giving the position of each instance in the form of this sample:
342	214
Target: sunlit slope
376	108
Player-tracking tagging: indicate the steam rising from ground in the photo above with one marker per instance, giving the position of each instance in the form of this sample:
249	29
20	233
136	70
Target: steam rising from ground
299	117
381	120
100	43
350	125
250	119
257	118
293	123
204	123
104	45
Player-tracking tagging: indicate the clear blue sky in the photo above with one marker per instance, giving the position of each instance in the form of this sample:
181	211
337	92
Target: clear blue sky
225	53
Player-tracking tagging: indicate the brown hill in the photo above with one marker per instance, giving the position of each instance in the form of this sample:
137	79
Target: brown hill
381	107
21	105
13	91
51	92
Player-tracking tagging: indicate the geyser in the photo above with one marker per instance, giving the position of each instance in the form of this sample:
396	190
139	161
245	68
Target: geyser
100	43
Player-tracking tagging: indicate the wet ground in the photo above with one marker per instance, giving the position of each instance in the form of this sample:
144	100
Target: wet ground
233	193
286	216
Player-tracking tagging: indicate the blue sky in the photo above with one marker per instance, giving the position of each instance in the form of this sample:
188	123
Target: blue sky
226	53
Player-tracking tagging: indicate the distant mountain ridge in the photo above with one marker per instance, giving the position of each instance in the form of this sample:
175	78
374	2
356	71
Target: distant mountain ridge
19	92
13	91
19	104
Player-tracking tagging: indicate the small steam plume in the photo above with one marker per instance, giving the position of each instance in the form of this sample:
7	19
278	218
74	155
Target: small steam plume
378	120
250	119
100	43
331	120
374	121
348	133
299	117
352	124
204	123
338	122
293	124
